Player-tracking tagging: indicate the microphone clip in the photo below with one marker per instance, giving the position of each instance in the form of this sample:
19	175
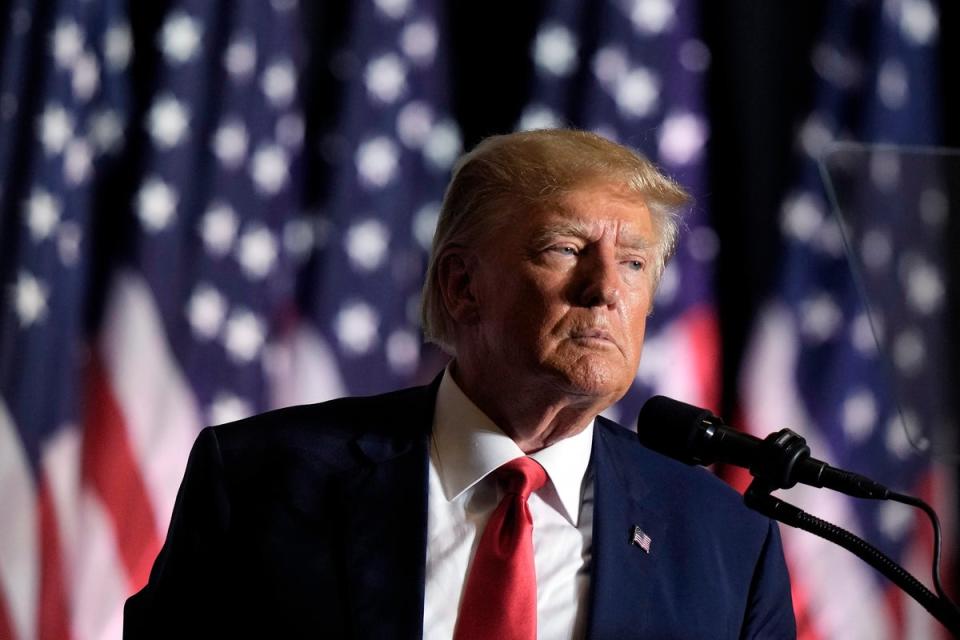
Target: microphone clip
779	463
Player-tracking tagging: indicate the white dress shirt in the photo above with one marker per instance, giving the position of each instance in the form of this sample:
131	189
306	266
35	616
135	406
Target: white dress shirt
466	447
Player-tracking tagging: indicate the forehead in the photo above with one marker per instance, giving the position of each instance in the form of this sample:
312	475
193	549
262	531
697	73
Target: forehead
594	207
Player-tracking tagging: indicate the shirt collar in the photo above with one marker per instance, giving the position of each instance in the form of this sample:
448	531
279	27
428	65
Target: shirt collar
468	446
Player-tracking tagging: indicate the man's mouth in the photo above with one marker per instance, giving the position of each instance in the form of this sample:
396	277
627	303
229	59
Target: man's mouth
598	336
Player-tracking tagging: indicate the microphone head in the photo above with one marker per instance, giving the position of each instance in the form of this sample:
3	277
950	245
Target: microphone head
674	429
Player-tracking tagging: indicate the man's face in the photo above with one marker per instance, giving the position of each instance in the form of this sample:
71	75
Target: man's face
563	295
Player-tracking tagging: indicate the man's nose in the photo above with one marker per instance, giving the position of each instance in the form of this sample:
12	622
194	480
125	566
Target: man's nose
600	280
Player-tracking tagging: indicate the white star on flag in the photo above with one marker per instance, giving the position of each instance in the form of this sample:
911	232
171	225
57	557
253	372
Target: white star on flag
395	9
924	286
377	161
106	130
257	252
30	299
555	50
356	326
403	351
637	92
414	122
279	83
443	145
206	311
652	16
268	167
43	214
228	407
168	121
69	237
77	161
86	76
859	415
419	41
538	116
180	38
243	335
801	216
386	78
682	137
218	228
909	351
117	46
55	129
156	204
67	43
918	20
367	243
241	57
230	143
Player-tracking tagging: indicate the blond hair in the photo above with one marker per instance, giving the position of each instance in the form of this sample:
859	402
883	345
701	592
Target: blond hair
508	174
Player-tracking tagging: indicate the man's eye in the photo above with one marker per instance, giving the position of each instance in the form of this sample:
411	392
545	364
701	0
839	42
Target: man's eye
636	265
566	250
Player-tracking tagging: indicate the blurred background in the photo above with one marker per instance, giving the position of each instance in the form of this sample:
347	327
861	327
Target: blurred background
212	208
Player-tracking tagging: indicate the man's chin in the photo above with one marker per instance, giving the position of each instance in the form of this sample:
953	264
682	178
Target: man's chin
595	381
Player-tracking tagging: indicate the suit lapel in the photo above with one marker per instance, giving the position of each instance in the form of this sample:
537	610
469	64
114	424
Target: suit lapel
385	522
626	581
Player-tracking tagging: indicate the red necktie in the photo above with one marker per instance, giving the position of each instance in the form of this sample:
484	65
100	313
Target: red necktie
500	597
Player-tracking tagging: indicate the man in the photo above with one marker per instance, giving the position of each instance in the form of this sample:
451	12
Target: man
410	513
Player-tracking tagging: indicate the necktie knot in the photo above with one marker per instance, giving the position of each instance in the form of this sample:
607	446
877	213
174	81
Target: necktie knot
521	476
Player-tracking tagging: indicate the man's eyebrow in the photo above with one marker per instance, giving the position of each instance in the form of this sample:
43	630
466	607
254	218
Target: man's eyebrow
637	241
582	230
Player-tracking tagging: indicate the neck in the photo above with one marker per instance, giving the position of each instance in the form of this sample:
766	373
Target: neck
533	417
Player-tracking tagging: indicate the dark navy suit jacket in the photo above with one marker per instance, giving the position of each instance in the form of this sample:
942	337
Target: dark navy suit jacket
311	521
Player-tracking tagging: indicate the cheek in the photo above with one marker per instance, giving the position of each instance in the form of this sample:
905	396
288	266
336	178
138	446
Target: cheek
637	324
539	302
515	320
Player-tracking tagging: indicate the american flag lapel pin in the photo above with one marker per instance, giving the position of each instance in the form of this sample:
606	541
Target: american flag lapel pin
641	539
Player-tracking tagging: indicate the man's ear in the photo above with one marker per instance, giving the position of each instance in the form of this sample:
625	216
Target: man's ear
456	271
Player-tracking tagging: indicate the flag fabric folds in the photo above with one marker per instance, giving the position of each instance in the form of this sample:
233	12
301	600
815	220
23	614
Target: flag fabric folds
173	258
814	364
64	121
357	330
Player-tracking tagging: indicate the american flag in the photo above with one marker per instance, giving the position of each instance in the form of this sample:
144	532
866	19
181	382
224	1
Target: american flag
634	71
391	155
814	364
167	262
641	539
65	105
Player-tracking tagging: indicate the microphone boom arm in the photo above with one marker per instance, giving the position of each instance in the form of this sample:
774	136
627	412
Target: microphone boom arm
694	435
776	469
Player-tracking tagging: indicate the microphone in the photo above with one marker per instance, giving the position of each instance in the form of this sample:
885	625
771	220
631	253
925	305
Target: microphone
695	436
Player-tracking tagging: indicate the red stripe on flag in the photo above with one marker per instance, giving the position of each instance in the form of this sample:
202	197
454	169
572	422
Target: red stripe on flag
53	612
701	327
110	466
806	620
895	607
927	490
6	627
